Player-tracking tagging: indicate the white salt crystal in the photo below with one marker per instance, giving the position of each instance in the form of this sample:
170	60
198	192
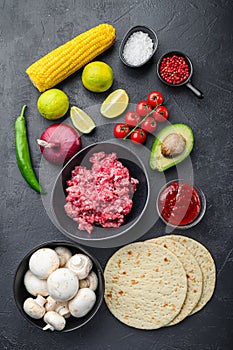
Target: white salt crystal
138	48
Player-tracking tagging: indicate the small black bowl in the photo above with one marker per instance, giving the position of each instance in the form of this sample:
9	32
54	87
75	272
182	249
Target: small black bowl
143	29
21	294
140	198
186	82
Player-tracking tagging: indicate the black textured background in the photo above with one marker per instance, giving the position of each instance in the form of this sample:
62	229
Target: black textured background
202	29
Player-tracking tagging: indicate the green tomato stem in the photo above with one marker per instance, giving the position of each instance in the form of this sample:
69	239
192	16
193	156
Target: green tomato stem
143	119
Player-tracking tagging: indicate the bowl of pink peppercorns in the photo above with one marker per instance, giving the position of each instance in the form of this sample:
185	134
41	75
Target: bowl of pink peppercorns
175	69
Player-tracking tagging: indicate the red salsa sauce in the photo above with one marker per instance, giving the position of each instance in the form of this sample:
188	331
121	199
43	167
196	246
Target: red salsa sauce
179	204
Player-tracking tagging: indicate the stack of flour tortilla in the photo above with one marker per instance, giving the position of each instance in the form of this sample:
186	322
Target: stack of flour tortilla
159	282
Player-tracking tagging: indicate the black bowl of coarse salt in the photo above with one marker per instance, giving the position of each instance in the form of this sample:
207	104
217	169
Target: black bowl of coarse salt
138	46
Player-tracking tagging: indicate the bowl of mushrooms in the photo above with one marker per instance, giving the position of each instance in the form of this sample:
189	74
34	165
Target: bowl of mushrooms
58	286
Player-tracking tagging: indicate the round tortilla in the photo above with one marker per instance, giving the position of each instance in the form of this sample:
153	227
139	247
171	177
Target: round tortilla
207	266
193	274
145	285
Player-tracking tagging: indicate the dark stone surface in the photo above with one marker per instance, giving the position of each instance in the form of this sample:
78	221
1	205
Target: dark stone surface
203	30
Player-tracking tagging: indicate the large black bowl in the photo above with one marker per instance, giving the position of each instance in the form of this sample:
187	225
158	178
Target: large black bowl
140	198
21	294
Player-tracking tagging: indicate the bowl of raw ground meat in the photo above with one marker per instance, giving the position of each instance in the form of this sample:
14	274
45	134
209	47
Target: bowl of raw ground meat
101	193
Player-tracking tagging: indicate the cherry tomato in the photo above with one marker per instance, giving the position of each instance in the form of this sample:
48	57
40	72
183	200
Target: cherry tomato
155	98
138	136
143	108
132	118
149	124
160	114
121	130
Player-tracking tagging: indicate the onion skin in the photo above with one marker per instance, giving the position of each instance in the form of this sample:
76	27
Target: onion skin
63	142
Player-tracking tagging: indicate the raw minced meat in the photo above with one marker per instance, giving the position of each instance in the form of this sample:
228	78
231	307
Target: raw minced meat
100	195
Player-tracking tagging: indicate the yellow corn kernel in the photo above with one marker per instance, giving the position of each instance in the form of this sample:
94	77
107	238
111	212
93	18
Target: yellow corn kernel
66	59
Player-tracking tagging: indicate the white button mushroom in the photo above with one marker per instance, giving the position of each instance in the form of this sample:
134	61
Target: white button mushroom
62	284
35	307
61	307
82	303
64	255
90	282
43	262
34	285
80	264
54	321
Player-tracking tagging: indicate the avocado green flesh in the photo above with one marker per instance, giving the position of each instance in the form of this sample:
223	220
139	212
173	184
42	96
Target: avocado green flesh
161	163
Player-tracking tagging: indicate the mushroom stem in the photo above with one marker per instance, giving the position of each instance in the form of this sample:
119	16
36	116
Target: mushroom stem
48	326
40	300
60	307
63	310
91	281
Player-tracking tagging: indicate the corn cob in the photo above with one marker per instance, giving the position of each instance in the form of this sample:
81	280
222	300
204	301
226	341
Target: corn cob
66	59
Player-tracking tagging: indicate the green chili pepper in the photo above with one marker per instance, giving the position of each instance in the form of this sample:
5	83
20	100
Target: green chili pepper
23	153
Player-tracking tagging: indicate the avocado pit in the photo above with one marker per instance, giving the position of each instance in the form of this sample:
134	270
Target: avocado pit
173	145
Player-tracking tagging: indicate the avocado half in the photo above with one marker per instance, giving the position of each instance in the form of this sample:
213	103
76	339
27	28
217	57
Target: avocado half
161	163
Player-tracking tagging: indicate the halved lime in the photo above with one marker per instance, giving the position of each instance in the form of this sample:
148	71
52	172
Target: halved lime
115	104
81	120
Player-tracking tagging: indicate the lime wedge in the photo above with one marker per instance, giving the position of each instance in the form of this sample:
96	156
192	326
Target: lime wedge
115	104
81	120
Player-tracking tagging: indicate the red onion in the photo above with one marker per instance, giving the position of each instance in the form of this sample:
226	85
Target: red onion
59	142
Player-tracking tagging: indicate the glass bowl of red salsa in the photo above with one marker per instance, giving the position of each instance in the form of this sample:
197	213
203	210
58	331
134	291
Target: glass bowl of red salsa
181	204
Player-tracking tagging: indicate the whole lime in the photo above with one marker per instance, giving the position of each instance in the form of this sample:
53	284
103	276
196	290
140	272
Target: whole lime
53	104
97	76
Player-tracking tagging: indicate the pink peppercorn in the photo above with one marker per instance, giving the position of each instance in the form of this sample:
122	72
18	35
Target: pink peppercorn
174	69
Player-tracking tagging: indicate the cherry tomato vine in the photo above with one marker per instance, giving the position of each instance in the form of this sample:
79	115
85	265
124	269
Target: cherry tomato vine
144	120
